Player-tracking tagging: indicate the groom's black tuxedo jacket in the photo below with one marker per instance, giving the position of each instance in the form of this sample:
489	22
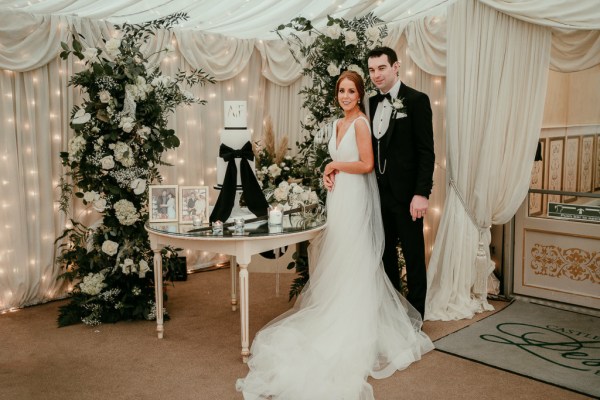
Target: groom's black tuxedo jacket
408	148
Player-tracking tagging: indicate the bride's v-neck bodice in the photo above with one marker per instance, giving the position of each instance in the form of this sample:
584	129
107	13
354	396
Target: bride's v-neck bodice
346	149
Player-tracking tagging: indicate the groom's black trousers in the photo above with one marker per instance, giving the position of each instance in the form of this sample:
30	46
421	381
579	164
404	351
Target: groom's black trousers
400	228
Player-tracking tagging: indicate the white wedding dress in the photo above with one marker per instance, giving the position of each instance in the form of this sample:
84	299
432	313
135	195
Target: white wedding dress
349	322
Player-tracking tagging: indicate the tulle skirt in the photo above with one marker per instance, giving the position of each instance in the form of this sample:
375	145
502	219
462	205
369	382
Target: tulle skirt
349	322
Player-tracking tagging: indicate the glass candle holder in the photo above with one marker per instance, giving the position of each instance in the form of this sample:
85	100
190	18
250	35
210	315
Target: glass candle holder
238	226
275	216
217	228
196	220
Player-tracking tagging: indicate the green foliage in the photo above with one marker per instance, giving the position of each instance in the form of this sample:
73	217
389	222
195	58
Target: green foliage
120	134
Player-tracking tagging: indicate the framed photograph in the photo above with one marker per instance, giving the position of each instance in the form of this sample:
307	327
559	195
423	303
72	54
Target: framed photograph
193	201
537	182
163	203
571	162
554	166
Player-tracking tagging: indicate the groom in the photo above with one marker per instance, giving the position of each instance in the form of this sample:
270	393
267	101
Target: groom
401	122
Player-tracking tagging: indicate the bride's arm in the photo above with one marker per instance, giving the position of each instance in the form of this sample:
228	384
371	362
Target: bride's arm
366	161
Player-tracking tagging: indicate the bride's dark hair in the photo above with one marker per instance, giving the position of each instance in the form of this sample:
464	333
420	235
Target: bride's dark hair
358	82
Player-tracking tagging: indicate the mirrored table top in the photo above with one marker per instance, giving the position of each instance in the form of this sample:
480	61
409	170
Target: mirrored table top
253	229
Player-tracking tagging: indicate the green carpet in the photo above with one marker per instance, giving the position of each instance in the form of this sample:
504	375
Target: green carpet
544	343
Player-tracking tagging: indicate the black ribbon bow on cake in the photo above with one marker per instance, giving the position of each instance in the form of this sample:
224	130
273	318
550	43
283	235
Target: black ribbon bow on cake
253	195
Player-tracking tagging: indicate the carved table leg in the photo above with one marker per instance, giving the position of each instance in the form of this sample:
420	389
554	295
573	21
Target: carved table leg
244	312
233	268
158	292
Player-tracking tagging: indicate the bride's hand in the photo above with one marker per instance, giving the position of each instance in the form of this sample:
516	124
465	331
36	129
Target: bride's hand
330	168
329	181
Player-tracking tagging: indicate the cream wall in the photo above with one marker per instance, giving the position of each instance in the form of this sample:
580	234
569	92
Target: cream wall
573	99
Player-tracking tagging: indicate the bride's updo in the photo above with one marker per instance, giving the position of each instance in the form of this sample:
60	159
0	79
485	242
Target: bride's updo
358	82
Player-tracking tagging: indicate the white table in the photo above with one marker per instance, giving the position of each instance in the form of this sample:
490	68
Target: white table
242	247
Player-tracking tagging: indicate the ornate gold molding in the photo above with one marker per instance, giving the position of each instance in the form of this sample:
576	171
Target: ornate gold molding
573	263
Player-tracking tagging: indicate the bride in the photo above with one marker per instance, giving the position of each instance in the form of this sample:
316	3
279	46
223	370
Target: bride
349	322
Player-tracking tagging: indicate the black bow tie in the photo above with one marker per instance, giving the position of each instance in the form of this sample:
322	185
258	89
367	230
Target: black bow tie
379	97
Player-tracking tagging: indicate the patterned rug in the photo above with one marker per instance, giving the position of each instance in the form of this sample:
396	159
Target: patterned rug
558	347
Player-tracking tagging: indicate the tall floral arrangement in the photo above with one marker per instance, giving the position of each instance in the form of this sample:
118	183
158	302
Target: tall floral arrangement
324	54
120	133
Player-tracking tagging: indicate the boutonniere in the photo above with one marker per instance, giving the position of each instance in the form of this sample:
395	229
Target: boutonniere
399	110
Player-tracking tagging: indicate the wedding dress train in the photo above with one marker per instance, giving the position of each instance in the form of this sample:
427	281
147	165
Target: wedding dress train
349	322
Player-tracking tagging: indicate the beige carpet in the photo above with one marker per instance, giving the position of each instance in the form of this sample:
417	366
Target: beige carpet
199	356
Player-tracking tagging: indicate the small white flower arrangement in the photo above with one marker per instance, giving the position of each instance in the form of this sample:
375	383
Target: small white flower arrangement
399	110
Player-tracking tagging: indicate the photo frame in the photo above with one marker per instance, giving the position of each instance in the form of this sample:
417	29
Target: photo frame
163	203
193	200
570	168
537	182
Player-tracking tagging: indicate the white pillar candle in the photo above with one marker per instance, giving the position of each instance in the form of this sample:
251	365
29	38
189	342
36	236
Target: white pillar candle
275	216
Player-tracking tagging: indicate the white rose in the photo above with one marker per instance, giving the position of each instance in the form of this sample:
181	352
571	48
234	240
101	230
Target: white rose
274	170
297	189
333	70
107	162
350	37
127	266
284	185
333	31
100	205
309	120
81	117
143	268
110	247
104	96
90	54
113	47
137	59
138	185
372	34
90	196
127	124
280	194
357	69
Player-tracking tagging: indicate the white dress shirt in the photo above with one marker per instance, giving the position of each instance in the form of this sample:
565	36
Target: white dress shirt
383	113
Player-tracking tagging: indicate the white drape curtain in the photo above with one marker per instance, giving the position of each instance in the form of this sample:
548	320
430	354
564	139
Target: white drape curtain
497	77
35	103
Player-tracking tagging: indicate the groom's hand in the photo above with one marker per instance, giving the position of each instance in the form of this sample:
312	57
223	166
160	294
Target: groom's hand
418	207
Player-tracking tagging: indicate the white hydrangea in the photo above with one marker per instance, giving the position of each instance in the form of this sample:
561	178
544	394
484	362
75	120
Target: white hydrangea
333	31
123	154
76	147
110	247
333	70
350	37
92	284
163	80
126	212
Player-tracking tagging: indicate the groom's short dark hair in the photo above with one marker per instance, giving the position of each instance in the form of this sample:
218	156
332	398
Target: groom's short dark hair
380	51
